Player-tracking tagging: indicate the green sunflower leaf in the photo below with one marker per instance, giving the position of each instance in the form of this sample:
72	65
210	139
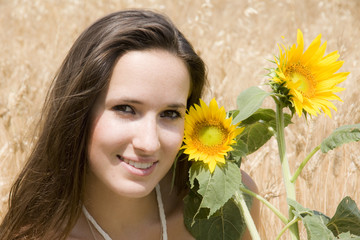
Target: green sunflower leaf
259	128
267	116
314	223
316	229
216	188
248	102
348	236
256	135
226	223
240	150
346	218
341	135
345	224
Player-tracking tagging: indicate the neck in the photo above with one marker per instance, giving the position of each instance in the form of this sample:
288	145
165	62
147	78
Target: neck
121	216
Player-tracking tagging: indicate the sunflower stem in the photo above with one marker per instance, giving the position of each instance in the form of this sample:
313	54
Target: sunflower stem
289	186
267	203
294	221
304	162
240	201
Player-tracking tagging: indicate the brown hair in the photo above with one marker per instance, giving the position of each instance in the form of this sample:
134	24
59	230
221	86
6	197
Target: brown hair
45	200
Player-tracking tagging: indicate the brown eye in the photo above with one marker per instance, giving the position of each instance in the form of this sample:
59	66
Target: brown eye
171	114
124	109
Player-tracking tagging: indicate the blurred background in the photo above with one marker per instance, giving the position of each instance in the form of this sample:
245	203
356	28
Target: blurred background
236	39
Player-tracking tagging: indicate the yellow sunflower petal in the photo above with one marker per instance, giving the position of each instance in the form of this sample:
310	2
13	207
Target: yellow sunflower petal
317	55
212	166
310	76
314	46
330	58
298	106
208	134
300	47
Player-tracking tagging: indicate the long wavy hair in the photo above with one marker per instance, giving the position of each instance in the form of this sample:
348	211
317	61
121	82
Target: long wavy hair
45	200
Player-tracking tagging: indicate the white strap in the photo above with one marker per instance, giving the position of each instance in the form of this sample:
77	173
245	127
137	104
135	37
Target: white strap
161	213
95	224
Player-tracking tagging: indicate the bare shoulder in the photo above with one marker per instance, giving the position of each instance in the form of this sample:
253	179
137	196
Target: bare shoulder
80	230
249	182
176	226
73	238
255	207
174	206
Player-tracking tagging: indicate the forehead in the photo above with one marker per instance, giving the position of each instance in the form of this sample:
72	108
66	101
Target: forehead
151	73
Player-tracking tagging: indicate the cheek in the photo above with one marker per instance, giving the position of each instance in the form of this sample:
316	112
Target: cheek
174	140
96	144
105	137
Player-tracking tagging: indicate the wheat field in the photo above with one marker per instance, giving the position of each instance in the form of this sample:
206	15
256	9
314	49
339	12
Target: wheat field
236	38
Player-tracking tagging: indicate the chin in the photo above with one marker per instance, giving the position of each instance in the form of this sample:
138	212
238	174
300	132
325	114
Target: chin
135	190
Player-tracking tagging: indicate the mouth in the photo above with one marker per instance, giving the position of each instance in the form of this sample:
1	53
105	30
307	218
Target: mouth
135	164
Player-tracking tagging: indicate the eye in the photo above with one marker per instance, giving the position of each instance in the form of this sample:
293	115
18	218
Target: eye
123	109
171	114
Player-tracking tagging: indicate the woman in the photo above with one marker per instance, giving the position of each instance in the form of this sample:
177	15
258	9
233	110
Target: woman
112	126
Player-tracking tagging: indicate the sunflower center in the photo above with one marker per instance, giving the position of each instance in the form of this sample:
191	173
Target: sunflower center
211	135
301	76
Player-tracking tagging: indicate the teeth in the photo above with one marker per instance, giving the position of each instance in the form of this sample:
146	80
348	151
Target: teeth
138	164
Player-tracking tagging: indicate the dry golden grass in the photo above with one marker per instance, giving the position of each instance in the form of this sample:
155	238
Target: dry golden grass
235	38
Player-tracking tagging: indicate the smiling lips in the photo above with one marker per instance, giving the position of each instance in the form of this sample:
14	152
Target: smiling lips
138	165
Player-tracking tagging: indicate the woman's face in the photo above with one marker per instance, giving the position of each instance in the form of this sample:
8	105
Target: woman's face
138	123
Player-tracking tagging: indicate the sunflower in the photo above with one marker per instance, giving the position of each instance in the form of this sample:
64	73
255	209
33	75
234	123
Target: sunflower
208	134
310	77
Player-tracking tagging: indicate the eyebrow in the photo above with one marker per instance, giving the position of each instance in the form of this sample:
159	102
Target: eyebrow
177	105
134	101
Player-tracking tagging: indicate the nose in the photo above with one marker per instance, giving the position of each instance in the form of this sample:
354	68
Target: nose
146	138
